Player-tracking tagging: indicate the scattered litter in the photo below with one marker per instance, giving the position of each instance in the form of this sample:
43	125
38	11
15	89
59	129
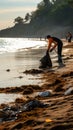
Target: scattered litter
48	120
69	91
45	93
33	104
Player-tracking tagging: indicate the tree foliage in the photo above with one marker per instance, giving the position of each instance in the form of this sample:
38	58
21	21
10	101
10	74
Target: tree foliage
19	20
27	17
70	2
47	14
59	11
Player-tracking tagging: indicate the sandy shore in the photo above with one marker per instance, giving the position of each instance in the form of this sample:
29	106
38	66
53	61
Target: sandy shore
51	112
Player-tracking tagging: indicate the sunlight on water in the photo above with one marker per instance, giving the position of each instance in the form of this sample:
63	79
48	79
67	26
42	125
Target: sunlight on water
26	56
13	44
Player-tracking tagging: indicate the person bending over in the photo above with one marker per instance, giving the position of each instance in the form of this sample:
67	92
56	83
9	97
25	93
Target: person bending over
57	43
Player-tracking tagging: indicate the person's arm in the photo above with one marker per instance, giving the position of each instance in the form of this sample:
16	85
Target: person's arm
55	44
49	43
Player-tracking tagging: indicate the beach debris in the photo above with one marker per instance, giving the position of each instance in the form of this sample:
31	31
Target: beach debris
45	61
7	115
45	93
33	104
48	120
8	70
33	71
10	113
20	77
2	115
69	91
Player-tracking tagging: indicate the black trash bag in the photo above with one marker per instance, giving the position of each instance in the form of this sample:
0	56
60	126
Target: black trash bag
33	104
46	61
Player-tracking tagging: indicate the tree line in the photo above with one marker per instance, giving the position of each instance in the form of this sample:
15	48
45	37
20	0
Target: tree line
53	17
45	9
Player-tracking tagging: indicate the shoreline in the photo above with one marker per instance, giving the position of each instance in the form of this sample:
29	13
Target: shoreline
58	113
17	63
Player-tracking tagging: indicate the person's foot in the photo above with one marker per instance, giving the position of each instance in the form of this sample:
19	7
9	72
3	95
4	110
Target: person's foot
61	65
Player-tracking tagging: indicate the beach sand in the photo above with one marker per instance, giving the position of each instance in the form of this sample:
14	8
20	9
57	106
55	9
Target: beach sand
57	114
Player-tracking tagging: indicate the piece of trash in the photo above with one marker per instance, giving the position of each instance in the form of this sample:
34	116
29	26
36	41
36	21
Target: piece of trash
45	61
48	120
45	93
69	91
33	104
8	70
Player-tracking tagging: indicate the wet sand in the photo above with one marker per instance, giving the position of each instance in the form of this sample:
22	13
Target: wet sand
57	115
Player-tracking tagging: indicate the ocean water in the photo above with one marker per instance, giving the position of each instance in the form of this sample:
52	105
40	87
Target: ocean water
18	55
13	44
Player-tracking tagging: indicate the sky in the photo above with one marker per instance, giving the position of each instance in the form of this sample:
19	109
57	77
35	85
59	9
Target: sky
11	9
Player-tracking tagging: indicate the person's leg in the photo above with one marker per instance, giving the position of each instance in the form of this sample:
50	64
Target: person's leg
60	53
69	40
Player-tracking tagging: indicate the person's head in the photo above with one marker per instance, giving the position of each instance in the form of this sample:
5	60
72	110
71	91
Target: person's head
69	32
48	36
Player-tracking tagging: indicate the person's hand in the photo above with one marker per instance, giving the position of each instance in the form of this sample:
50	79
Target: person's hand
51	50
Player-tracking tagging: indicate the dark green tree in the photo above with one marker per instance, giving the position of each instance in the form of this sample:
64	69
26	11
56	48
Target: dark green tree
70	2
27	17
19	20
46	2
